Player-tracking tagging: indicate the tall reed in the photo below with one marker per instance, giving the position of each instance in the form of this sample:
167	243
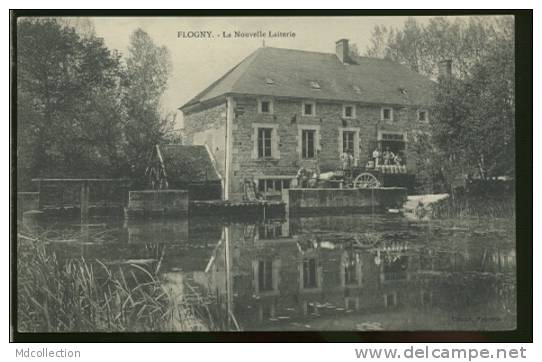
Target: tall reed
78	295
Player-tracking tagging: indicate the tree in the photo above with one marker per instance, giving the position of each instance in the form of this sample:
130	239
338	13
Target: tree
147	71
421	47
379	41
68	87
475	115
81	111
472	122
408	46
353	50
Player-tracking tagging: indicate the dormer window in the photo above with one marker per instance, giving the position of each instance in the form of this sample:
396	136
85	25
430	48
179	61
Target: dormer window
308	108
423	115
265	106
269	81
386	114
314	84
349	111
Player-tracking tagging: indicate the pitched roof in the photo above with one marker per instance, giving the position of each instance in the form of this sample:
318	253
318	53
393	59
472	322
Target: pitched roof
188	163
367	80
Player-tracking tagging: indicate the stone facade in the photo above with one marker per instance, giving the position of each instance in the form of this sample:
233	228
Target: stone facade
208	126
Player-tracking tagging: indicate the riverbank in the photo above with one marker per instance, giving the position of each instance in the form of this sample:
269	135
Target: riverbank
71	294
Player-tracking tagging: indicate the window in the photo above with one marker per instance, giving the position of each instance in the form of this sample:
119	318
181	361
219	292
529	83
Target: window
349	111
310	308
350	273
351	268
273	186
357	89
265	139
396	269
269	81
399	137
348	142
265	275
387	114
307	143
394	142
265	106
423	115
390	300
308	109
270	231
264	142
309	273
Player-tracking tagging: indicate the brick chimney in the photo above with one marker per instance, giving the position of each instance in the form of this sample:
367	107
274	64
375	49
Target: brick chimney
445	69
342	51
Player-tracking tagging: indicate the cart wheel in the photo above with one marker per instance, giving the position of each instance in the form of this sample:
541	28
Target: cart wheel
366	180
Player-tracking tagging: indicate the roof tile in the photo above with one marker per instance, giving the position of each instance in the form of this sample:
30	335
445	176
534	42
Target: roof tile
367	80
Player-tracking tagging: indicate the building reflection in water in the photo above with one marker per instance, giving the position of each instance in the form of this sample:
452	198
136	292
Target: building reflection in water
293	275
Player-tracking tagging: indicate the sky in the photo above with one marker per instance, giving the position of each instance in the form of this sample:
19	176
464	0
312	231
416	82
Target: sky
197	62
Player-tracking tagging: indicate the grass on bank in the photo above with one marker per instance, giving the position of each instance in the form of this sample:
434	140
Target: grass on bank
78	295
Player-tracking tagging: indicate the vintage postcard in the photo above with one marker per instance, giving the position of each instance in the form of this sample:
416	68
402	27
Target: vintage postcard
265	173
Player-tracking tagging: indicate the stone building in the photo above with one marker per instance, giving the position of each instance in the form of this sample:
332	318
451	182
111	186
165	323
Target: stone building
282	109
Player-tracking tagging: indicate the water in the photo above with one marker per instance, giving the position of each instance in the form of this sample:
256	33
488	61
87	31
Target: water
352	272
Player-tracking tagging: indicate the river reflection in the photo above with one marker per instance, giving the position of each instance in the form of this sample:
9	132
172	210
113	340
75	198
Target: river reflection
308	273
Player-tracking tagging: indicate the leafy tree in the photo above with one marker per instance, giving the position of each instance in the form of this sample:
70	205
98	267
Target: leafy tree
147	70
69	122
353	50
81	111
475	115
472	122
421	47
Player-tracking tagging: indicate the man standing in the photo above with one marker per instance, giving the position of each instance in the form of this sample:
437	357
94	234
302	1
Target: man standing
376	156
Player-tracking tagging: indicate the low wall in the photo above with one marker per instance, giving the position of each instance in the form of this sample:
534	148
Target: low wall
365	200
157	203
27	201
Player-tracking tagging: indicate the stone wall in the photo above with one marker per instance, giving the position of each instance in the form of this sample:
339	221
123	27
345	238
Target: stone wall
344	199
287	115
207	126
